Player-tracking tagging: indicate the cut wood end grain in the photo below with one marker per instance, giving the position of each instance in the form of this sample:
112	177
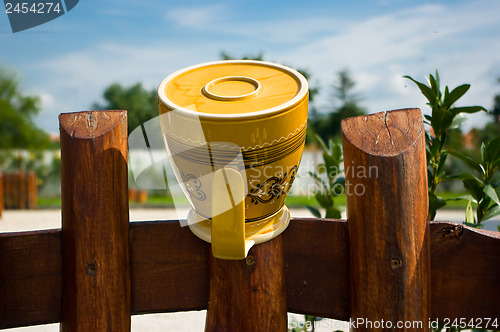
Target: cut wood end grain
384	133
88	124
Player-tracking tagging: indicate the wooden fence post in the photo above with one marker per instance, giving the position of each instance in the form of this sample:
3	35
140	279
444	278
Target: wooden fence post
19	190
12	191
248	295
386	187
32	190
7	196
95	222
23	190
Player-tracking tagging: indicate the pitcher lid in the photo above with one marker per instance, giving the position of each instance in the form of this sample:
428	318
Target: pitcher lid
233	88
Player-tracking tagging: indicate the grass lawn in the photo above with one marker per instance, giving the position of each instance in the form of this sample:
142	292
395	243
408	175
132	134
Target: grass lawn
291	201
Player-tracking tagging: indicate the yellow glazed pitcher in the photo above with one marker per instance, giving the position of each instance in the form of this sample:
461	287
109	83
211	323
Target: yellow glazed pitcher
235	132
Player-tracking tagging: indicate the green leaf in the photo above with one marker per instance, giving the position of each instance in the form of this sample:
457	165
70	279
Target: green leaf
324	200
492	151
321	142
475	188
457	122
459	198
437	78
469	213
483	152
488	190
317	179
437	120
337	152
464	176
435	203
455	95
329	162
446	93
315	212
468	160
492	212
340	180
442	161
468	109
434	85
495	165
479	226
426	91
446	121
333	213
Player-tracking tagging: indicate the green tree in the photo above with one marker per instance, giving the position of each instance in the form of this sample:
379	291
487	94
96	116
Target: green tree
141	105
328	126
495	111
490	130
18	129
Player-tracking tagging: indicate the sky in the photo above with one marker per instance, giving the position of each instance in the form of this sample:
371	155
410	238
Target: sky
70	61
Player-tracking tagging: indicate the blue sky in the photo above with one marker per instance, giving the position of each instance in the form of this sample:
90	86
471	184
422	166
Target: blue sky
72	59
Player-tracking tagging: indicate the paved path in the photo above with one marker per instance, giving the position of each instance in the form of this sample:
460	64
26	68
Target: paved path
192	321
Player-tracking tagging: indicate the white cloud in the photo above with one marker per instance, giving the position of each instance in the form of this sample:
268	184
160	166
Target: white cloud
77	79
378	51
197	17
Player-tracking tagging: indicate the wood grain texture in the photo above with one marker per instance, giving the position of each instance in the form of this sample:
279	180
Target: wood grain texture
465	269
30	278
169	268
22	184
95	222
32	191
20	190
7	188
316	267
248	295
386	187
170	271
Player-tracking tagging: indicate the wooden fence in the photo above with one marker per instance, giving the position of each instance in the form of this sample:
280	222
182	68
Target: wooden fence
386	262
19	190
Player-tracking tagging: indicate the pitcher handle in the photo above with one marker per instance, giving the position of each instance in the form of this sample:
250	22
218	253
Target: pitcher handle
228	215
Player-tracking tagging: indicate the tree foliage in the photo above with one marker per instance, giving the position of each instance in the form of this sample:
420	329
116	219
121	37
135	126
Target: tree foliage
495	110
328	126
141	105
18	129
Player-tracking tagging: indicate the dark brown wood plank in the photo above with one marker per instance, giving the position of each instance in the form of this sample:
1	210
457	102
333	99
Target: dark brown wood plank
169	268
32	190
316	267
465	265
30	278
387	208
170	271
7	191
95	222
22	183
